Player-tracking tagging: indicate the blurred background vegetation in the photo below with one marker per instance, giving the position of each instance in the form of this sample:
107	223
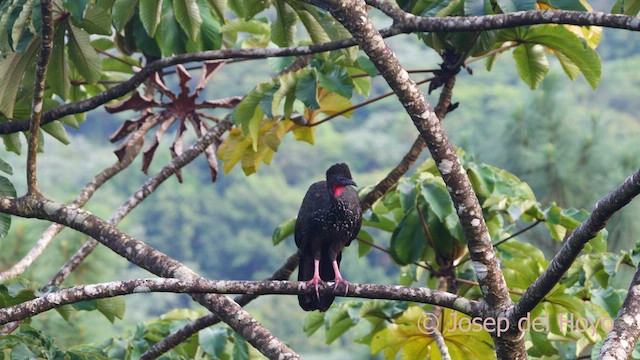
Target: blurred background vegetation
570	143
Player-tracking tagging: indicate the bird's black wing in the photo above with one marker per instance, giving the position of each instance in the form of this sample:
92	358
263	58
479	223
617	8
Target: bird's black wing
306	234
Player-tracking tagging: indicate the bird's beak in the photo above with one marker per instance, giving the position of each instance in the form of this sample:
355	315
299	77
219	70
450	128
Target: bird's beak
350	182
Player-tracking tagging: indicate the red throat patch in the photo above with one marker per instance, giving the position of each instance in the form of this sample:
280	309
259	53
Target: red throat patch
337	190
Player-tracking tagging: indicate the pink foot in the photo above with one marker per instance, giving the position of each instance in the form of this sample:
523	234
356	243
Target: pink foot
314	282
339	280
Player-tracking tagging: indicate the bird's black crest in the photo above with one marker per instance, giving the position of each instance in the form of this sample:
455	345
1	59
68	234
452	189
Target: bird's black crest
338	170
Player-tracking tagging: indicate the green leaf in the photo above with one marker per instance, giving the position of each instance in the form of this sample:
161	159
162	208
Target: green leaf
122	12
339	323
210	35
213	340
250	26
76	8
408	239
283	231
12	71
313	322
283	29
516	5
477	7
575	5
337	80
21	352
12	142
306	91
314	28
169	35
150	15
56	130
626	7
188	16
5	167
19	25
112	308
97	20
561	40
58	74
240	348
246	9
82	55
532	63
363	247
438	198
6	189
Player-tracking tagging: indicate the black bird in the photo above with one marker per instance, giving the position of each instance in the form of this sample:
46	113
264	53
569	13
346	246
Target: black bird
329	218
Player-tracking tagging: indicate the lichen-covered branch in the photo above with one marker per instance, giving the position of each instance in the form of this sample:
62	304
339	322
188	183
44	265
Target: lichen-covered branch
384	185
184	333
574	244
149	259
410	23
46	45
135	145
622	339
352	14
253	288
213	136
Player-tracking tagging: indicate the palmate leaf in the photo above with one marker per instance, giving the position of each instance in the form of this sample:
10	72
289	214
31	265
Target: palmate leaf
239	146
561	40
409	336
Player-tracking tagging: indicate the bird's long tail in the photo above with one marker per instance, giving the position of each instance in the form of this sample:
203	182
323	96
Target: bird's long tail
310	302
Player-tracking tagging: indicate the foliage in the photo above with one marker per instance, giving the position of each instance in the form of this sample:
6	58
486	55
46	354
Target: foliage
98	44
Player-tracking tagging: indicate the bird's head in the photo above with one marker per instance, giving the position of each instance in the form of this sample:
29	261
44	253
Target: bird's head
339	177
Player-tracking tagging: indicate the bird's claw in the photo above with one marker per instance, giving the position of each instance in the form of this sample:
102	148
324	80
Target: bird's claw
314	282
342	281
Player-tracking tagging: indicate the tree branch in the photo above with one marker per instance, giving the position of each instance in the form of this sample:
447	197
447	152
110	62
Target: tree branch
135	145
621	340
384	185
410	23
252	288
213	136
352	15
181	335
46	45
152	260
574	244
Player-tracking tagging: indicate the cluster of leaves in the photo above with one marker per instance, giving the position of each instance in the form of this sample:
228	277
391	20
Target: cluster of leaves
211	343
424	233
292	102
573	46
19	290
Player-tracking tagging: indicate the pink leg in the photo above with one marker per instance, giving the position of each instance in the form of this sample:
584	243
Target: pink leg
315	280
339	279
